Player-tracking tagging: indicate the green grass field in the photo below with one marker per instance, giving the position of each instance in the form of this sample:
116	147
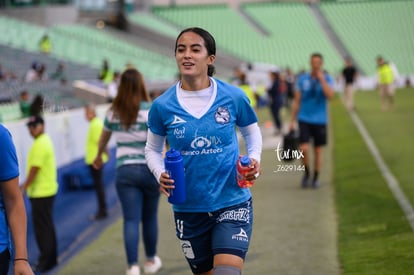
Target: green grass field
393	132
374	236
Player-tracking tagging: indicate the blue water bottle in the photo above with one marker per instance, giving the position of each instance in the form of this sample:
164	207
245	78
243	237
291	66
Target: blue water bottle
174	166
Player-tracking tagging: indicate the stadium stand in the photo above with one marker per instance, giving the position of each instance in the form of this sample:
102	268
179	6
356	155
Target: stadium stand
92	46
294	33
150	21
235	38
87	45
371	28
58	96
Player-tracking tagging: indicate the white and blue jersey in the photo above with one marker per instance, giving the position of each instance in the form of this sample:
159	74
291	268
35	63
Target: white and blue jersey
313	103
208	144
8	170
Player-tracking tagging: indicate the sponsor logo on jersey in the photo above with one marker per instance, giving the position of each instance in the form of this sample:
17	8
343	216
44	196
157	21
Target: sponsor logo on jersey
179	132
204	145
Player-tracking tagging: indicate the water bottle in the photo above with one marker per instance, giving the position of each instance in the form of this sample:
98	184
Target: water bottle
174	166
243	167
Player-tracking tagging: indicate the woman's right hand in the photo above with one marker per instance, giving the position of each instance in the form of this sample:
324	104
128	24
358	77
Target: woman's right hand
98	162
166	183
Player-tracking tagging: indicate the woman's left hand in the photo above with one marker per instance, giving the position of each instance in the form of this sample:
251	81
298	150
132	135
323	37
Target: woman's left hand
254	174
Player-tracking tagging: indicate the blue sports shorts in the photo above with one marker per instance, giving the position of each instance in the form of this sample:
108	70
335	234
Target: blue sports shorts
203	235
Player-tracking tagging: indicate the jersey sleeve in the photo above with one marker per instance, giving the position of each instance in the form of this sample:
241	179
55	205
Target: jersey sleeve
245	112
155	121
9	168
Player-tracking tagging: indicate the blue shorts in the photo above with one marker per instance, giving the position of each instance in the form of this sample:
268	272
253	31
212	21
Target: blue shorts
203	235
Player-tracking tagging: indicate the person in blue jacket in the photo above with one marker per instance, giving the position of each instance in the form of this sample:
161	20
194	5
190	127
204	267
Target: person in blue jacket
198	117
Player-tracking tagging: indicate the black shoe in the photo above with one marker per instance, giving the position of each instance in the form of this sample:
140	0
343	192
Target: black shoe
315	184
305	182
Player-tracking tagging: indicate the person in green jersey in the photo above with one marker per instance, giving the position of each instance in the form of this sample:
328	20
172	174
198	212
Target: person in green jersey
137	188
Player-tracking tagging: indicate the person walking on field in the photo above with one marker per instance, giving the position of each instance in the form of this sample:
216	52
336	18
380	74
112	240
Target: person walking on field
13	222
275	100
349	73
385	84
92	144
309	109
198	117
137	188
41	187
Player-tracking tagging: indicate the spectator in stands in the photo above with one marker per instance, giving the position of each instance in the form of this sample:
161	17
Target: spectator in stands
41	187
105	74
113	87
247	90
349	73
32	74
45	45
310	109
137	188
198	117
13	221
37	106
385	83
59	73
6	75
276	100
92	144
290	83
25	103
42	73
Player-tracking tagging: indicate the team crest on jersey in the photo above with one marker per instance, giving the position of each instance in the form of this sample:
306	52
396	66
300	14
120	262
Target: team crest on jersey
222	115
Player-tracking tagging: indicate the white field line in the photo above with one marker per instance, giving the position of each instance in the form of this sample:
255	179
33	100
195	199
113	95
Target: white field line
392	182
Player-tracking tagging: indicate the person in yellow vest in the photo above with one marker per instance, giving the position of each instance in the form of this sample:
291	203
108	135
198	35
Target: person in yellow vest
106	74
45	44
385	83
41	187
92	144
248	90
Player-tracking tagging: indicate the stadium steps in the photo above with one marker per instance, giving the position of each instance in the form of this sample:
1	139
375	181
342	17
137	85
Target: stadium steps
330	33
149	21
295	34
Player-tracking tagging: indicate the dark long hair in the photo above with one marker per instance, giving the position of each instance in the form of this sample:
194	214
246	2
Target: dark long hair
209	43
131	92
